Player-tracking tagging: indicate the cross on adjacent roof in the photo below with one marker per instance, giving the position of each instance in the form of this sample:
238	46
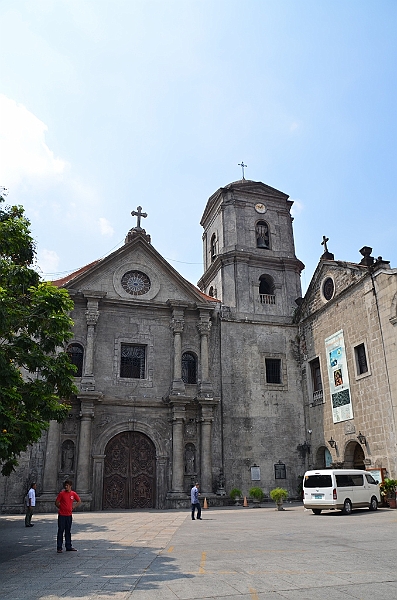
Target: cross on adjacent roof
138	214
242	165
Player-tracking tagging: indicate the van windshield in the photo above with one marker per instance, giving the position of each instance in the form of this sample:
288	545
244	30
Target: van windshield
317	481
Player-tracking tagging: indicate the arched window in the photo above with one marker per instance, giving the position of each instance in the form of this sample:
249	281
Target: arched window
189	368
262	235
76	356
266	290
213	247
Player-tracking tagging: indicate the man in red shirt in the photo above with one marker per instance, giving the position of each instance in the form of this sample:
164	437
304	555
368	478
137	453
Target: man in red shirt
66	501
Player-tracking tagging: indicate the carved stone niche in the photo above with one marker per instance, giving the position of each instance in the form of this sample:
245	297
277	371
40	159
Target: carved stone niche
191	429
349	428
190	459
68	455
69	426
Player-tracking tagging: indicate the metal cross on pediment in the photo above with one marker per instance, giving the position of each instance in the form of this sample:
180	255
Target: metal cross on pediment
138	214
324	243
242	165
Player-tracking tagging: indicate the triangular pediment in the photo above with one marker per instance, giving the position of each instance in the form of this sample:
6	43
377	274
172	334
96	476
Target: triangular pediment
330	279
159	281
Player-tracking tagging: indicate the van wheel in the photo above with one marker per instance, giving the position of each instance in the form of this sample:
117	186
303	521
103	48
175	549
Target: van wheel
373	505
317	511
347	507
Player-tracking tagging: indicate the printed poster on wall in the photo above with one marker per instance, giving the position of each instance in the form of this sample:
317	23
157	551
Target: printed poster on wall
338	377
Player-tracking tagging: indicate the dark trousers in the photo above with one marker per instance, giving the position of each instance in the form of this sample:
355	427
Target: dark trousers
64	527
28	515
198	506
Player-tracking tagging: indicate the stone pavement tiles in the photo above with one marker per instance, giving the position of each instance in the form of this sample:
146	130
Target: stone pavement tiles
249	554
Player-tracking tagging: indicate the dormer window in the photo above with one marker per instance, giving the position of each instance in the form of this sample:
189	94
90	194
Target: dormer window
262	235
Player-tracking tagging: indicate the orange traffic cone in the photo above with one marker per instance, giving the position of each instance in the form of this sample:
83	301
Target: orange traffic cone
245	502
205	503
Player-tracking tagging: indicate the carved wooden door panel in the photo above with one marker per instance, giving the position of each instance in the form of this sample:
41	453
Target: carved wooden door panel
130	472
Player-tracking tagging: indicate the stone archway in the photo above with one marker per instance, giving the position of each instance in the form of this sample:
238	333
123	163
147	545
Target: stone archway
129	472
354	456
323	458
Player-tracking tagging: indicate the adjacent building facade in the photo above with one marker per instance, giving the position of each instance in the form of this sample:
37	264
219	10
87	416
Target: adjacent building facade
233	383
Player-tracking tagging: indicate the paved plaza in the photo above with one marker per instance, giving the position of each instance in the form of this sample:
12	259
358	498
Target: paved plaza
233	553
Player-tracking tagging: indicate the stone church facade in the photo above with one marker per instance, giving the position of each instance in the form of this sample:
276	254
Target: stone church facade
224	383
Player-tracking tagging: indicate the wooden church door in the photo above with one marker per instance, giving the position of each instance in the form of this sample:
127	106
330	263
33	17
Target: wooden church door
130	472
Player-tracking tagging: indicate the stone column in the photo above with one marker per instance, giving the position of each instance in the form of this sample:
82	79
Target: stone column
92	316
204	327
207	418
206	450
178	419
84	455
177	324
51	466
162	484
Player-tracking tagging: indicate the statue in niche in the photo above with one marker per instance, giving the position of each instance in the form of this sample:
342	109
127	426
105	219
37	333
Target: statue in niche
190	459
67	464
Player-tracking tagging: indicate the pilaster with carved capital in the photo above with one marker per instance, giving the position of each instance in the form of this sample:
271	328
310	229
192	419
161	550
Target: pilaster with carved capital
92	316
204	327
177	324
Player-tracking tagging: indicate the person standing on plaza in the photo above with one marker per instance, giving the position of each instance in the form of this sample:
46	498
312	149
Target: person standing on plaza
194	497
67	501
30	504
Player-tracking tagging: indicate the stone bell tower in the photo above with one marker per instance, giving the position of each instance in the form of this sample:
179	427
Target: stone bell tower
251	267
249	255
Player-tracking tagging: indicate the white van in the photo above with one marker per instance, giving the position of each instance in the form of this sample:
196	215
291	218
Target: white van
340	489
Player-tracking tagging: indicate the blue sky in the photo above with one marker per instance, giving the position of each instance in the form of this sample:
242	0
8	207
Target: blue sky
110	104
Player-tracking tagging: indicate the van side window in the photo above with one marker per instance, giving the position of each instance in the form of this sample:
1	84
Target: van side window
343	481
370	479
357	479
318	481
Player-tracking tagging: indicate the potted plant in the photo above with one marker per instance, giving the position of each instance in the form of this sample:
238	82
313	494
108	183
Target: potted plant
236	495
278	495
256	493
388	489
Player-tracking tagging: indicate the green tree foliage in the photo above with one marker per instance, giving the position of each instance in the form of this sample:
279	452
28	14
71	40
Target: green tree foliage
36	378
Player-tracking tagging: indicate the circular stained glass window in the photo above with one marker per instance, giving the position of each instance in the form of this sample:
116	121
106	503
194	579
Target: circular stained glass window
135	283
328	288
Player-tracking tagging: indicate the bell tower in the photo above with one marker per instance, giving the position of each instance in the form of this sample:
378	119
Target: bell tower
251	267
249	254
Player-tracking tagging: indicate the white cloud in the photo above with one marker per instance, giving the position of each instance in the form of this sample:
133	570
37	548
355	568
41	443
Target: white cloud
24	153
48	261
297	207
105	227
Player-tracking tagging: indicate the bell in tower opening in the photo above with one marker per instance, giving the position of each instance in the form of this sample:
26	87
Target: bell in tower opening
262	235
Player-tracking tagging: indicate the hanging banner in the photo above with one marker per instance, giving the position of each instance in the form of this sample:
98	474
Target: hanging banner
338	376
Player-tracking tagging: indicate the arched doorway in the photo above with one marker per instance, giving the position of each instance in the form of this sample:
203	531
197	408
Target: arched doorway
323	458
354	456
130	472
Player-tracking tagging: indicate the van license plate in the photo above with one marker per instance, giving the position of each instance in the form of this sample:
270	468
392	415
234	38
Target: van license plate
318	496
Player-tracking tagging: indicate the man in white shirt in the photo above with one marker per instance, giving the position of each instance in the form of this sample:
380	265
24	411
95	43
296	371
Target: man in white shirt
194	497
30	504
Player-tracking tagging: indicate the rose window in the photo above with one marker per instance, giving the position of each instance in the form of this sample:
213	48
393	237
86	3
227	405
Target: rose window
135	283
